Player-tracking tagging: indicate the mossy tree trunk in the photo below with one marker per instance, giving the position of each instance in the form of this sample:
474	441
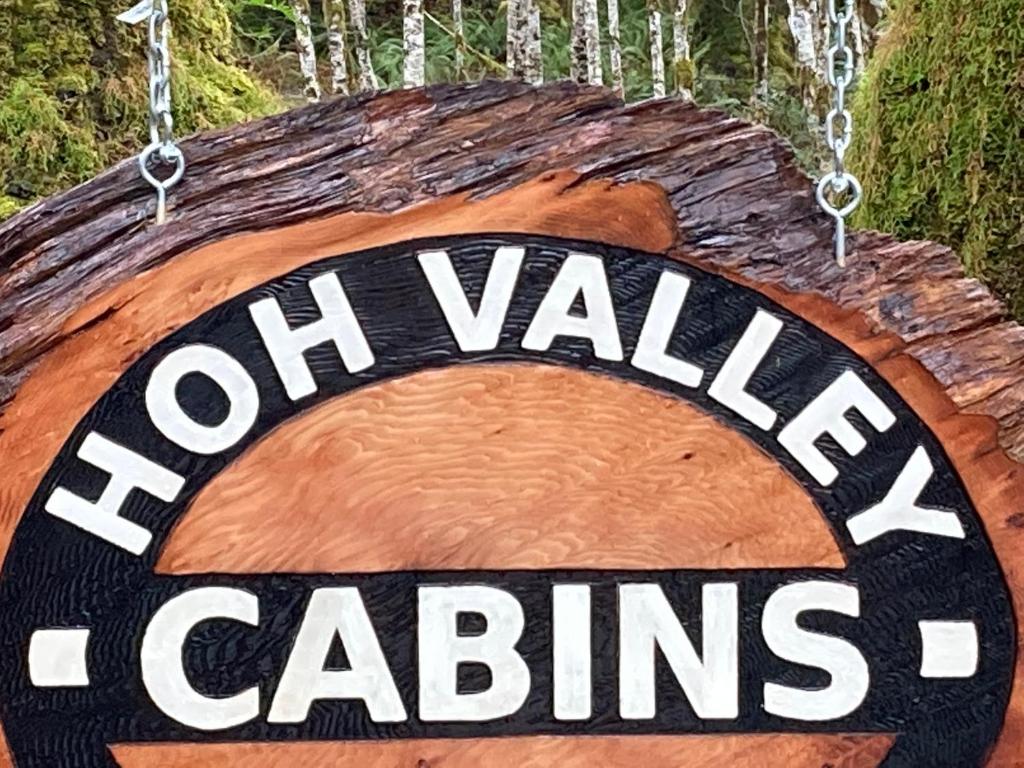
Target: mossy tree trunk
682	65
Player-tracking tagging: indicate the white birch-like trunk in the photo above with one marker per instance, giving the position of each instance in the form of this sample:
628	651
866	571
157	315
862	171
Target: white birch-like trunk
615	50
459	27
578	44
657	46
307	51
334	19
367	77
533	55
414	44
586	43
682	65
808	23
518	25
761	52
592	22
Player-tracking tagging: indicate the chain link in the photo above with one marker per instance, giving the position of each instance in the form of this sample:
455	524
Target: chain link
839	183
162	150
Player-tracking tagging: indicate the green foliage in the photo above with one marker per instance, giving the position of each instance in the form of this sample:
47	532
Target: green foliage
940	144
73	91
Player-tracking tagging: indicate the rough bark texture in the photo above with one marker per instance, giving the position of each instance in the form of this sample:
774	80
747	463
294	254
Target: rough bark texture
740	201
533	58
334	18
367	77
615	48
762	25
415	44
682	65
872	13
307	51
515	38
657	45
857	42
459	27
807	19
586	43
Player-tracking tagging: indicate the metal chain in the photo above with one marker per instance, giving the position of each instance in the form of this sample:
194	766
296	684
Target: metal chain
839	183
162	150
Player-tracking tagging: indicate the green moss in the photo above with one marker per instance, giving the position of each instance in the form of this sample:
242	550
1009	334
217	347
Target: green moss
73	91
940	148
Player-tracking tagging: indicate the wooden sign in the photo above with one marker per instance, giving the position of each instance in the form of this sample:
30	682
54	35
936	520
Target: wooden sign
557	463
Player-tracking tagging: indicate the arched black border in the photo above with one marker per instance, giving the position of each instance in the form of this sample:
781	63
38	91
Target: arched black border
904	577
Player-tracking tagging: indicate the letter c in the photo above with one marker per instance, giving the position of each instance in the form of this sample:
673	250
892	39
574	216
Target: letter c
163	672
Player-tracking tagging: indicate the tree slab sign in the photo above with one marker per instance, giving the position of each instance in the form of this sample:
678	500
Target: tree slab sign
494	425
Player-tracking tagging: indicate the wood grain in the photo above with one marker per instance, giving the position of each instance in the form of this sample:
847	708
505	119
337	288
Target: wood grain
792	751
661	176
497	467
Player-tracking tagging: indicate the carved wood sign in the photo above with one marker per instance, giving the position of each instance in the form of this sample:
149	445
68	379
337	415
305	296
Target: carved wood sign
482	495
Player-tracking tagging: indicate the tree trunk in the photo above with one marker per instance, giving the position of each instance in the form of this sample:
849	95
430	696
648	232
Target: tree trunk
872	14
414	44
533	56
682	64
517	15
367	77
657	48
586	43
307	51
808	22
858	42
762	26
615	49
334	19
459	27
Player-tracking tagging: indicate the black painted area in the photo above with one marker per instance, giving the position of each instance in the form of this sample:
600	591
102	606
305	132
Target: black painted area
56	575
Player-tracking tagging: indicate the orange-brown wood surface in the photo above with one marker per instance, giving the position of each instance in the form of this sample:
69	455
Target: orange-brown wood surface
798	751
498	467
936	336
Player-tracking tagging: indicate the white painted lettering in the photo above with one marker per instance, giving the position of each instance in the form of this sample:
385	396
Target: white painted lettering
337	324
334	613
840	658
481	331
580	274
898	511
442	650
128	471
223	370
163	672
648	622
571	653
826	415
730	385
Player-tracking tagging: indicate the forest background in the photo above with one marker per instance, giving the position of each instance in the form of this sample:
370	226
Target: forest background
938	106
